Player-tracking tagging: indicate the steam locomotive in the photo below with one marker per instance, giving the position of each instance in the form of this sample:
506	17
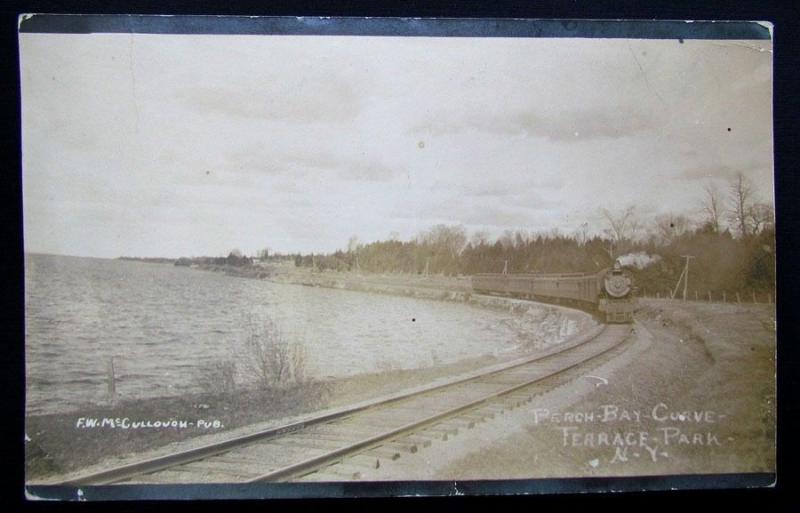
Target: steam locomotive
608	292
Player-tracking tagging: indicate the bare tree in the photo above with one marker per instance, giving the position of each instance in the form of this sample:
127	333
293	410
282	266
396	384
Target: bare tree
761	216
712	207
521	238
671	226
622	225
451	239
480	238
740	200
507	239
582	234
352	244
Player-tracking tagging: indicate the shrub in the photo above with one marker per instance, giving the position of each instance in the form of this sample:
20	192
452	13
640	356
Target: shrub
218	377
272	359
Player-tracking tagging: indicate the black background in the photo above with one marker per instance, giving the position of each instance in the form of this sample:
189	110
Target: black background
784	15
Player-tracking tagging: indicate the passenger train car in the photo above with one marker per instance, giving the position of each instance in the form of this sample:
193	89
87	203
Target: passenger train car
609	292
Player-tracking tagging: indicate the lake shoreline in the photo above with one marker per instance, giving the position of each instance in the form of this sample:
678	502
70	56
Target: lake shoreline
457	289
104	434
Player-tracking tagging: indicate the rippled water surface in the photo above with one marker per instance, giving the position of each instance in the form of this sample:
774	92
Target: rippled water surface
163	325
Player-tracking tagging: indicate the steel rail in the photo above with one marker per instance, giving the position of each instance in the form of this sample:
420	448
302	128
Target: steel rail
312	464
127	471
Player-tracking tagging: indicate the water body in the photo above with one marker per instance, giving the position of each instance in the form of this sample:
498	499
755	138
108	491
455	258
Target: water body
164	324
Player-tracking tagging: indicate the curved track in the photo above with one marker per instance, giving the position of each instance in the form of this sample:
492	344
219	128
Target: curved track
334	446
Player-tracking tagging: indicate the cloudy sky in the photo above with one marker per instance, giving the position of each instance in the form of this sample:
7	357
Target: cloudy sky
172	145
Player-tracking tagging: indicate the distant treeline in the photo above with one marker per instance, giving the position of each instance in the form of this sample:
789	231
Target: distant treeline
731	239
233	259
154	260
721	262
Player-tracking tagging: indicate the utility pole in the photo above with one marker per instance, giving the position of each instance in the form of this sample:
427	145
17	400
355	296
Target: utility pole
686	275
677	285
683	277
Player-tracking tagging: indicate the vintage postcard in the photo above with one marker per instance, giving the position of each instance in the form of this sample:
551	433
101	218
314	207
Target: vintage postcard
454	253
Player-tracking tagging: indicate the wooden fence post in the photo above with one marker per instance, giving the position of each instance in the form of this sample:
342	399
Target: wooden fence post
112	380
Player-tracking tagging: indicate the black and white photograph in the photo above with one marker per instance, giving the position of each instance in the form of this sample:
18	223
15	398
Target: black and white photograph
312	257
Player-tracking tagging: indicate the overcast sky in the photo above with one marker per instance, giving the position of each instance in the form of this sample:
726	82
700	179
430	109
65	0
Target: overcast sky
172	145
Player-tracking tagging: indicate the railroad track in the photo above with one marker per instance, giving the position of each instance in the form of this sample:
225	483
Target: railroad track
339	446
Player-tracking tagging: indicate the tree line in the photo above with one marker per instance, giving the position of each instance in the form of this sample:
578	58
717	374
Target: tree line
731	236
